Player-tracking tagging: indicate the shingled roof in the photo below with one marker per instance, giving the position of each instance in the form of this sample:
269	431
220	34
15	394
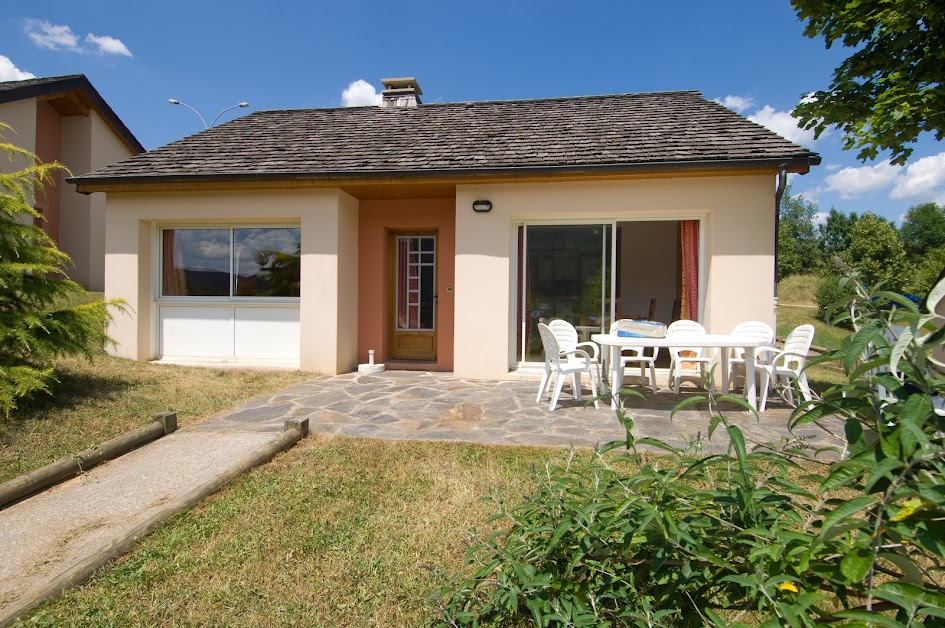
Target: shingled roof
70	95
625	132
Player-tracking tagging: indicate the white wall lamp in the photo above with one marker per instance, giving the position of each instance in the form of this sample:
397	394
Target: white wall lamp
482	206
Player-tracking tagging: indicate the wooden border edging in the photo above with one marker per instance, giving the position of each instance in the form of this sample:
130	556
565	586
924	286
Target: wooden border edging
295	430
66	468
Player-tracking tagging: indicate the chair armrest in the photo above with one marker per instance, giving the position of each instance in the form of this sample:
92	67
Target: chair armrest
765	350
582	354
594	352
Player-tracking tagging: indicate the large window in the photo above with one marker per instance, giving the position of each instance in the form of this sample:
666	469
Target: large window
230	262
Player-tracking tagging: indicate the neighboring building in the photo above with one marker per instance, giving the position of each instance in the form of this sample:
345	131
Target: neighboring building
439	234
64	119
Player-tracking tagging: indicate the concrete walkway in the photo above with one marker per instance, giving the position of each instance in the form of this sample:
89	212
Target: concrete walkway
55	539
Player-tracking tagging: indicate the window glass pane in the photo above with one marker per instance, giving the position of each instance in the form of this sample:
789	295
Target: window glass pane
564	278
195	263
266	262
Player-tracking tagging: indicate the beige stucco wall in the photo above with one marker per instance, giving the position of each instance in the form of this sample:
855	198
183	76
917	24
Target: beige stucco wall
88	144
328	220
21	117
737	232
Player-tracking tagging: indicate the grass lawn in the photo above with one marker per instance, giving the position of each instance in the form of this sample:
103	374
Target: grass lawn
97	400
337	531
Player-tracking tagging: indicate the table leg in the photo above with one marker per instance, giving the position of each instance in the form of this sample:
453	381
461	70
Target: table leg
751	395
616	377
724	365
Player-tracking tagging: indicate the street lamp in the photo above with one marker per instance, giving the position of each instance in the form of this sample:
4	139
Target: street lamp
212	122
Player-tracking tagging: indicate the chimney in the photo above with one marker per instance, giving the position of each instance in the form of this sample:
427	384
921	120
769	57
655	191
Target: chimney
400	92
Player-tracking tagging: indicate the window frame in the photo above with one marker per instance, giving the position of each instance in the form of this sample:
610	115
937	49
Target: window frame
220	300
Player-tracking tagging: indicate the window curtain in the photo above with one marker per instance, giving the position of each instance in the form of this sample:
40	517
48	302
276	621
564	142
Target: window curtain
689	300
174	281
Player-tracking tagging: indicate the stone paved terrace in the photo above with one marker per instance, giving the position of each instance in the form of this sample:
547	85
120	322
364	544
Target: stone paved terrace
440	406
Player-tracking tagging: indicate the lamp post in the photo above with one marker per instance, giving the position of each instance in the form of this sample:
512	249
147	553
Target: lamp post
212	122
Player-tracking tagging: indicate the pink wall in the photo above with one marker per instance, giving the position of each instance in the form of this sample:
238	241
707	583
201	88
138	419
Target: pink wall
377	220
48	141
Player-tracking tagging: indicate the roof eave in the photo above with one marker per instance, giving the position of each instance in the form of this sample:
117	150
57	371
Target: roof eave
77	82
795	164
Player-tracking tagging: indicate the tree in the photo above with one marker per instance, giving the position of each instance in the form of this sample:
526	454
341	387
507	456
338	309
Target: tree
890	90
834	234
922	230
876	252
37	320
797	238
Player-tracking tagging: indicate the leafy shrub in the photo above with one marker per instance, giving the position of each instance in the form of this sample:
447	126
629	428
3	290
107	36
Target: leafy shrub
42	315
832	293
769	536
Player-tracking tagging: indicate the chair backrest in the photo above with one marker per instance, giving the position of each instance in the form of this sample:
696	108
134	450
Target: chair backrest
564	333
756	330
797	344
685	327
550	344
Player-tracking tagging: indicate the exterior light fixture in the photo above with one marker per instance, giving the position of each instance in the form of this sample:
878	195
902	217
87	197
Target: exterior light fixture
482	206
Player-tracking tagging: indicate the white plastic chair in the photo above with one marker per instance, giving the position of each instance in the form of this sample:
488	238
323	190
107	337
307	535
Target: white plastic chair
786	365
756	331
567	338
694	355
562	365
636	355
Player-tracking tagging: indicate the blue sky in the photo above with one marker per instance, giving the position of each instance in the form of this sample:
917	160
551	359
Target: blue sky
748	54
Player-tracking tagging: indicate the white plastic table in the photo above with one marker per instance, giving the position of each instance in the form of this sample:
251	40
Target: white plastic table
617	343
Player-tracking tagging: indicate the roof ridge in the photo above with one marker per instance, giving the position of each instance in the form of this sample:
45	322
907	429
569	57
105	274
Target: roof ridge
427	105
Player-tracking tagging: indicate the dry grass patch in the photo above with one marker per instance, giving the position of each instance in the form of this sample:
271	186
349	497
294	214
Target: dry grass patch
337	531
798	290
97	400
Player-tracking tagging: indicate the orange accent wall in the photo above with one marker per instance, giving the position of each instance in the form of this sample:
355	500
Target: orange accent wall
48	141
377	219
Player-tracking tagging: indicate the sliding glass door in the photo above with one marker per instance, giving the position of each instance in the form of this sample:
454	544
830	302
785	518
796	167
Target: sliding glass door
564	271
592	274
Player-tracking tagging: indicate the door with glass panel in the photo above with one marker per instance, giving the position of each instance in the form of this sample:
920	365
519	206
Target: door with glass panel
413	327
564	271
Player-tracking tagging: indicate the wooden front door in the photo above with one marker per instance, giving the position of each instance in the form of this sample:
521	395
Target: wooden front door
413	297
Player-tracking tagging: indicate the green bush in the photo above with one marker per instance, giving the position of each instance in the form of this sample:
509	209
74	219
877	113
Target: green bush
832	293
767	536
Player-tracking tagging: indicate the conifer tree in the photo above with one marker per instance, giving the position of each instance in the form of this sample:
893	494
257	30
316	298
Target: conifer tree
39	319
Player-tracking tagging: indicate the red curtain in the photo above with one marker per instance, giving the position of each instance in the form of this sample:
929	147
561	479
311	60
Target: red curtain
172	272
689	301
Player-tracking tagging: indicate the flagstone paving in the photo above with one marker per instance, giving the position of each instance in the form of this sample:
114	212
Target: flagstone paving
440	406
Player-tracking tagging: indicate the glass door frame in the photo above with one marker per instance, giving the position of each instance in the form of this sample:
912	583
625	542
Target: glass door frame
518	327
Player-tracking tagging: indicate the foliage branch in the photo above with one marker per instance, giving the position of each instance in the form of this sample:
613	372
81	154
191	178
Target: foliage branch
889	90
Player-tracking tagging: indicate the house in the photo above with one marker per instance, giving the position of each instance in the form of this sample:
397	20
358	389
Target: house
64	119
437	235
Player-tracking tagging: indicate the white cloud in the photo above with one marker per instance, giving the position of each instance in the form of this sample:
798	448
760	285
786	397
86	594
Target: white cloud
736	103
832	167
51	36
853	182
9	72
784	124
108	45
359	94
921	179
820	218
61	37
